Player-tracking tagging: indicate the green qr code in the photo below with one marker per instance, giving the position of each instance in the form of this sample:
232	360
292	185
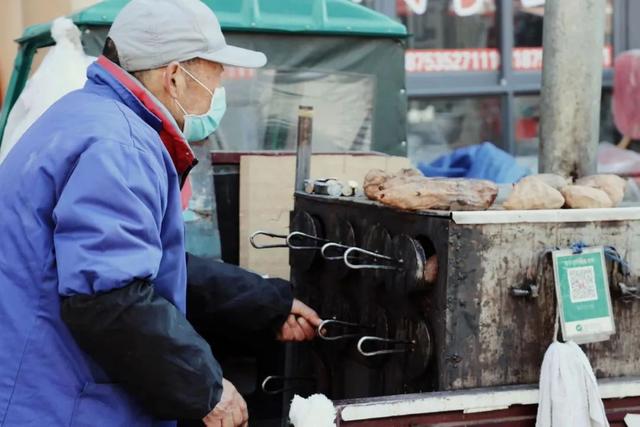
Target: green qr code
582	284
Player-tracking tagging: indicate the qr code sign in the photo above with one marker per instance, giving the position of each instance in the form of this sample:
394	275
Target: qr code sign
582	284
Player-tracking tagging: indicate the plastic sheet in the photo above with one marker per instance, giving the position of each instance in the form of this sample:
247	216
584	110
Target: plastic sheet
483	161
63	70
343	110
355	84
612	159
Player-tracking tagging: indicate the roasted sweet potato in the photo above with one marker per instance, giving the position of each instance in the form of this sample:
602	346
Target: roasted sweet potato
613	185
431	269
533	193
440	194
378	180
583	197
552	180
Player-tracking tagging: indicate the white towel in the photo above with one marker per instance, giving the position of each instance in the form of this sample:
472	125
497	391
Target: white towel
569	393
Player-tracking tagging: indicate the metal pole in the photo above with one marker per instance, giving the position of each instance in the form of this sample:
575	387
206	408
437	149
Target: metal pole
506	76
303	158
571	86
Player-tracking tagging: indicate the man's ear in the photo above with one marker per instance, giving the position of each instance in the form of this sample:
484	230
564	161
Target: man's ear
172	80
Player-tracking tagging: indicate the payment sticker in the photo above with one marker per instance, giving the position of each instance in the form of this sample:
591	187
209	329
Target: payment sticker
584	299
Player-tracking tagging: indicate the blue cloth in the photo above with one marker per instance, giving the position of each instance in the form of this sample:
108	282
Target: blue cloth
90	201
481	161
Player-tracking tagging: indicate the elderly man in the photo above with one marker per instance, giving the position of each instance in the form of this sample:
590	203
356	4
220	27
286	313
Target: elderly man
93	274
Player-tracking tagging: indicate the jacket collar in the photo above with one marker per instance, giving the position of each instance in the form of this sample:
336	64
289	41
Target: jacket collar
148	108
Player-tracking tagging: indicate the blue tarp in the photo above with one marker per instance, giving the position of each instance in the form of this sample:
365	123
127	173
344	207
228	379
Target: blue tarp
481	161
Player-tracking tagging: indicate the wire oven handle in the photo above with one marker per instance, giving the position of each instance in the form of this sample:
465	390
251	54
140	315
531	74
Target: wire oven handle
287	240
351	251
271	378
299	234
336	246
388	341
256	245
323	334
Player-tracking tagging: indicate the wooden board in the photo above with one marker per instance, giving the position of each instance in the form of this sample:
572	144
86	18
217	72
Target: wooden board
473	401
266	198
617	411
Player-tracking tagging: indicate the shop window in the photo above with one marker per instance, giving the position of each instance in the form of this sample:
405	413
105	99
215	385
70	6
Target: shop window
450	35
527	34
527	127
437	126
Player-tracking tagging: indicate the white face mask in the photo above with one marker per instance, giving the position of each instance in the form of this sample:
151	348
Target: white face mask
198	127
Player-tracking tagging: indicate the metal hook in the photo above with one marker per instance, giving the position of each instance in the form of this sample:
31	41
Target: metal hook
287	238
304	236
322	333
333	245
271	378
374	255
383	340
533	279
267	234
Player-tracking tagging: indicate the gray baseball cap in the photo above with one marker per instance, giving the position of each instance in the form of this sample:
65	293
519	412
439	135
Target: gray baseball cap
153	33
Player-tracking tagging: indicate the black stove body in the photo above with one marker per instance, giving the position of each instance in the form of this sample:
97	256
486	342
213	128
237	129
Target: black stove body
435	304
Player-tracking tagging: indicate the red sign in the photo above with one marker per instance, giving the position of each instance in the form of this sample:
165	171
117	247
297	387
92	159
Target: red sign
416	7
448	60
467	7
237	73
434	60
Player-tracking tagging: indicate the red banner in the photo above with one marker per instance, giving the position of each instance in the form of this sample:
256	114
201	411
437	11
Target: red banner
434	60
448	60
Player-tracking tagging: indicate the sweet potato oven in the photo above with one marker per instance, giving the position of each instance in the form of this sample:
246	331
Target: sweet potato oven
443	301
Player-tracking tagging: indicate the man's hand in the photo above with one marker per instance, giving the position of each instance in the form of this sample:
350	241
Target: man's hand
301	324
231	411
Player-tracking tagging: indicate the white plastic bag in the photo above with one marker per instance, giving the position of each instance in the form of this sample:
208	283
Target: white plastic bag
63	70
618	161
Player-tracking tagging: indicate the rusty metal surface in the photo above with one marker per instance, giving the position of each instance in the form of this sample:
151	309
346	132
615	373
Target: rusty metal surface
496	339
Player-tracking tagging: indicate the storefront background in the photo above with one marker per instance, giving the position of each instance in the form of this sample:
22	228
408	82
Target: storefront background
473	67
474	71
